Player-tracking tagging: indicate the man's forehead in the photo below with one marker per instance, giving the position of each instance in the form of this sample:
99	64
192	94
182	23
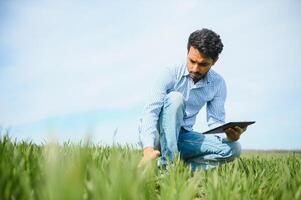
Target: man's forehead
195	55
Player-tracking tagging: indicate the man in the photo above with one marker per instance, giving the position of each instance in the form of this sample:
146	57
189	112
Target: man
178	95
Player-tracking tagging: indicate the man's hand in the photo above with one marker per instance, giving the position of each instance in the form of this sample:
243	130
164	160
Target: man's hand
149	154
233	134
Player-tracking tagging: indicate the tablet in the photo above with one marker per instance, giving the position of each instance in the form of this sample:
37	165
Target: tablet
220	129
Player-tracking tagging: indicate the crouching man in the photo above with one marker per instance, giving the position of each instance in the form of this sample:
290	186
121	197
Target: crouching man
179	94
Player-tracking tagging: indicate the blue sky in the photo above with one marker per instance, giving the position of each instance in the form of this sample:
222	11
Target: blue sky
75	67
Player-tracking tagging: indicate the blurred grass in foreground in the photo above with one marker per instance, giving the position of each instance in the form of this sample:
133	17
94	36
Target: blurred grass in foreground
86	171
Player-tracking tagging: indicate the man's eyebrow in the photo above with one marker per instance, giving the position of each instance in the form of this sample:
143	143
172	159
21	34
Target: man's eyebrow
200	63
203	63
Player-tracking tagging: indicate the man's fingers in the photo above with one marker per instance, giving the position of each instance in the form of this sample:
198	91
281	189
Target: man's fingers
148	157
230	131
232	134
238	129
152	154
235	132
157	152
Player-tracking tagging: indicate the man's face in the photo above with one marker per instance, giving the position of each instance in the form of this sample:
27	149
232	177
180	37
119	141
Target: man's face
198	64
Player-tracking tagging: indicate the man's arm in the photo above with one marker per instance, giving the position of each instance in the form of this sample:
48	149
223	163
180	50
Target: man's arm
216	113
216	107
149	131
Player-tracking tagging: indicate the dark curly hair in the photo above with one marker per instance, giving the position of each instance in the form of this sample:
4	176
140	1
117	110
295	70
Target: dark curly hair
206	42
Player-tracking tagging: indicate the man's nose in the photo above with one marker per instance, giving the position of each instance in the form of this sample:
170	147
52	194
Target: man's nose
195	67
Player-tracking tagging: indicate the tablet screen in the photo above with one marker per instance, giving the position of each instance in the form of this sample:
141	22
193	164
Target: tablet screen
220	129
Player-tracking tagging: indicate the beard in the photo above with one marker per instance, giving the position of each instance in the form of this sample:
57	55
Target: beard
196	76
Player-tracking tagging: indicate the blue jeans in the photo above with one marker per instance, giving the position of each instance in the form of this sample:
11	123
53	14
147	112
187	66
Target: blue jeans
196	149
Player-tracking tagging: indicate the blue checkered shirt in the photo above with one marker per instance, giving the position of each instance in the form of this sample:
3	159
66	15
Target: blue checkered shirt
210	90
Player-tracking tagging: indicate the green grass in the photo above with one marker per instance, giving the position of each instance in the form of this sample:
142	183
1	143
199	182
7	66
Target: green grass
85	171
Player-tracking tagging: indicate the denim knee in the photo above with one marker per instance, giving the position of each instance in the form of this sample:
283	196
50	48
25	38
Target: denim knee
174	98
236	149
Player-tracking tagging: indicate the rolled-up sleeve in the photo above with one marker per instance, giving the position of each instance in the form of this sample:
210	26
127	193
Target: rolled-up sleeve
149	131
216	107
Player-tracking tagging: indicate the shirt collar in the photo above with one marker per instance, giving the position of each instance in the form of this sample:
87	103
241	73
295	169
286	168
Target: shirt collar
186	72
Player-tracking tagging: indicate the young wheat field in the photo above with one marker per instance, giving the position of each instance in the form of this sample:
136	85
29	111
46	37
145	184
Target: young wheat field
86	171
